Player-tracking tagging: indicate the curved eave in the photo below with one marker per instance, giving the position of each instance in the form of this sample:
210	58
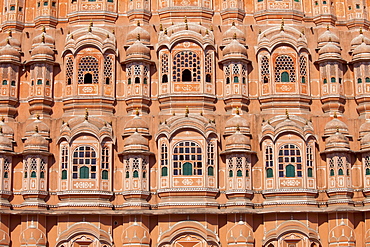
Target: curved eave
136	152
322	60
230	59
131	60
231	151
6	152
337	150
36	152
48	61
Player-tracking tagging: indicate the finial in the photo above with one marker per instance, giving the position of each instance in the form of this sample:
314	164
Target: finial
186	19
165	121
238	128
113	31
8	41
200	23
107	35
1	130
165	31
138	36
43	29
302	31
10	33
282	24
335	115
337	129
137	112
91	23
72	36
233	24
43	38
237	110
38	117
173	114
89	29
187	111
287	113
201	113
329	39
160	27
206	31
234	36
259	31
36	129
361	30
2	119
138	23
186	26
86	114
327	27
211	28
136	130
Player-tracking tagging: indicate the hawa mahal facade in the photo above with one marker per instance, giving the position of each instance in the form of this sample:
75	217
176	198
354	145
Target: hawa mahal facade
185	123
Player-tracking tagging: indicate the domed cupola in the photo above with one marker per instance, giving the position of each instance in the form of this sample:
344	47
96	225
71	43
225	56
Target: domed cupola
364	129
327	37
233	33
337	142
36	142
358	40
330	51
235	122
138	31
10	49
335	125
43	38
42	47
136	124
361	52
234	50
136	142
365	142
238	141
138	50
43	129
5	143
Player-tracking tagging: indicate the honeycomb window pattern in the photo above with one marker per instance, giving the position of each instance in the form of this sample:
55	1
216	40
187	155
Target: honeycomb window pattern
186	60
137	70
303	66
108	68
284	63
164	63
129	71
88	64
227	70
236	69
208	63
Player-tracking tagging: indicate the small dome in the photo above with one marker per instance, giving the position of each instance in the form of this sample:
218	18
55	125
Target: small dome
136	142
238	141
136	234
9	50
337	141
358	40
138	50
43	128
5	143
11	41
236	121
138	31
43	38
329	48
365	142
7	130
335	125
32	237
136	122
234	48
36	143
327	36
364	128
362	50
233	32
42	50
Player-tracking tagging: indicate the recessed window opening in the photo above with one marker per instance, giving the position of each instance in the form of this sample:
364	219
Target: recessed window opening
137	80
208	78
164	79
107	81
186	75
88	79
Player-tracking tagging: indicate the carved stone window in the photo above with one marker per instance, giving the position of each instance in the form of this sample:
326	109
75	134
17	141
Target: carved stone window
303	68
164	160
84	163
104	163
69	71
265	69
187	159
88	70
367	165
269	162
64	162
210	158
284	69
108	70
290	161
186	65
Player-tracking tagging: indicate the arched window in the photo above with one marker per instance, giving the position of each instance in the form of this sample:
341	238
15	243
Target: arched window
145	81
88	65
290	160
69	81
135	174
127	174
208	78
164	159
231	173
129	81
325	81
333	80
367	80
84	163
5	82
228	80
284	69
164	78
265	69
39	82
290	171
107	81
239	173
236	79
309	173
186	75
210	171
33	174
164	172
6	175
303	79
244	80
269	173
367	171
64	174
186	67
187	152
265	80
137	80
88	78
284	77
332	172
359	80
69	70
340	171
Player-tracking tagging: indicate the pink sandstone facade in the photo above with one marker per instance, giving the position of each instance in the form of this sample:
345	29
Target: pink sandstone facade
185	123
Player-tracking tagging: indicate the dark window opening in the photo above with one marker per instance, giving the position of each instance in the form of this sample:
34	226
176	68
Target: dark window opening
333	80
244	80
210	171
69	82
164	172
265	80
208	78
359	80
88	79
47	83
164	78
269	173
5	82
186	75
137	80
227	80
145	81
285	77
129	81
303	79
236	79
39	82
325	81
107	81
